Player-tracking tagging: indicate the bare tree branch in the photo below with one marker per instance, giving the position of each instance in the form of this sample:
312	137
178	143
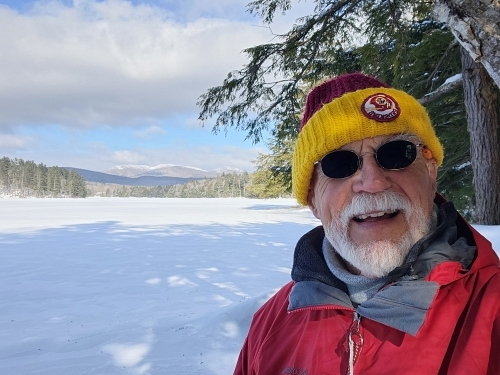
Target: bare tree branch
441	90
452	45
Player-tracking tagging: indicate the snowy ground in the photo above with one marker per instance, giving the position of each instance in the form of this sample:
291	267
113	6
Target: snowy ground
139	286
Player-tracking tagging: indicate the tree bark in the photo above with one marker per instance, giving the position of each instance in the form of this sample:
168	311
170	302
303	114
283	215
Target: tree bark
476	26
481	102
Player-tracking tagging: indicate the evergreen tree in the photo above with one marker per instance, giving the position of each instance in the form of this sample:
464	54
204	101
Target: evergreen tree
273	177
25	178
5	166
42	179
399	44
30	181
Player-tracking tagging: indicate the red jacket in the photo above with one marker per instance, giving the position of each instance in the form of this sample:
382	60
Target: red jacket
459	333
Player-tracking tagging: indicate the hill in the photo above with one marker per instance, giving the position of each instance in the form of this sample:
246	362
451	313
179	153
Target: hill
168	170
106	178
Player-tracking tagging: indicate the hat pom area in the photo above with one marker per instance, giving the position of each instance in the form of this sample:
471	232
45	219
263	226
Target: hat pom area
350	108
335	88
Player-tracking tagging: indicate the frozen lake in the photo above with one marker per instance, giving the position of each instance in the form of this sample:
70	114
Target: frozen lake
137	286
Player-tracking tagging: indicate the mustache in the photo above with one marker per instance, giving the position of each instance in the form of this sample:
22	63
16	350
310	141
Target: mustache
364	203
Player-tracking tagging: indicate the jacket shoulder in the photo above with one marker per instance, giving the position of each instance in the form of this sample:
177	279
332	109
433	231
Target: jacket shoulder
273	312
274	308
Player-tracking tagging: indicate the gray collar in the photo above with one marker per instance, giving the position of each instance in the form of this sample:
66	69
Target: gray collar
402	305
360	288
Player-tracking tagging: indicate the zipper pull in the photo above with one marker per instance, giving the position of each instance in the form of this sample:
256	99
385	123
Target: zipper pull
355	340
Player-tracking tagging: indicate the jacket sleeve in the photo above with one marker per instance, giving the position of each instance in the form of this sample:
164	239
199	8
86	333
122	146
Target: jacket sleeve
494	366
494	360
242	366
494	355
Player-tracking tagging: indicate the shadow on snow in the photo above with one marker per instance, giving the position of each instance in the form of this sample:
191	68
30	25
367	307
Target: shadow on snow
118	299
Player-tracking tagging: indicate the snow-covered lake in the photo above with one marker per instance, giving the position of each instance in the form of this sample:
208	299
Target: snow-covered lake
140	286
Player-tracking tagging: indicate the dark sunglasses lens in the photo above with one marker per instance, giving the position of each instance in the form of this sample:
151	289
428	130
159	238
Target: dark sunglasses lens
339	164
396	154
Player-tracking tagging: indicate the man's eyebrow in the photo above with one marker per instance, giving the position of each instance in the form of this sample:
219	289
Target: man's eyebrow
403	136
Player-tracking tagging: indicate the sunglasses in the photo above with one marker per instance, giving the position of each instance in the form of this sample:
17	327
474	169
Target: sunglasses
392	155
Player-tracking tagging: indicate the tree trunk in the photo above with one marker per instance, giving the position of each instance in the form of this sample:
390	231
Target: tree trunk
481	102
476	26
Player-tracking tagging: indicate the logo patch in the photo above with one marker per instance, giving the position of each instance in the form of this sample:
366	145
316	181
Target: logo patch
381	107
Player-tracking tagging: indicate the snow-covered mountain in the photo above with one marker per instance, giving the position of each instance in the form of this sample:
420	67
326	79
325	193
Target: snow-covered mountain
167	170
106	178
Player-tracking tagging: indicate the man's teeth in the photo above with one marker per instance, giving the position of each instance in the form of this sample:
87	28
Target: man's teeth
374	214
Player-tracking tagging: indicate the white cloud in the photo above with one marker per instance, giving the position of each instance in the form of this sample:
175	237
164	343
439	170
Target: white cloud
12	142
128	157
150	132
111	62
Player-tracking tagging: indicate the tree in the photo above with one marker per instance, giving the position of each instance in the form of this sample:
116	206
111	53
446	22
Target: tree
5	165
475	26
273	177
76	185
278	75
42	179
483	119
400	44
25	178
30	180
295	63
264	185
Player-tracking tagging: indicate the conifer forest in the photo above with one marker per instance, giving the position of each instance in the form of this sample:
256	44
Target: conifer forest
27	179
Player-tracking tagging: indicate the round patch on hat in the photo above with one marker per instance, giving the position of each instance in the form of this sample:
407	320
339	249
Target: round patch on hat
380	107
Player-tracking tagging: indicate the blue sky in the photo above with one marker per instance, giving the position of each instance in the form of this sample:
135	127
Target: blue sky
99	83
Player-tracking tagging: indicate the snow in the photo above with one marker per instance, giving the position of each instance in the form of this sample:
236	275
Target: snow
140	286
454	78
462	166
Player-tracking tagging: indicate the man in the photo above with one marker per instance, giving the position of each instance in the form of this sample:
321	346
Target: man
394	281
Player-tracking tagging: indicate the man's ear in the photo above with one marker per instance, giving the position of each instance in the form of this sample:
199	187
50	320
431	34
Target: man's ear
432	168
311	202
431	165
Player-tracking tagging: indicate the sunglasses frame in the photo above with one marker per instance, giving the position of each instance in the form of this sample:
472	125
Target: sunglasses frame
360	158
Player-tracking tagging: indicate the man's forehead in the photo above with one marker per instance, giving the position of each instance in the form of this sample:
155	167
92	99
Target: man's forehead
377	141
374	142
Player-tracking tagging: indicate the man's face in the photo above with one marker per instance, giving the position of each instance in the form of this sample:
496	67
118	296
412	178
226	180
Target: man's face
373	217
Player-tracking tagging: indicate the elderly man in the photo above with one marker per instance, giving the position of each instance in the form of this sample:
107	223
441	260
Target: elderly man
394	281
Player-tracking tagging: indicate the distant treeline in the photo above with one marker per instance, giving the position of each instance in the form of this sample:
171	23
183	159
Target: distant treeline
25	178
223	186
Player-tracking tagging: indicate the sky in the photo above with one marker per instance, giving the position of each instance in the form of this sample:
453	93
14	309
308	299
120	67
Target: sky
94	84
138	286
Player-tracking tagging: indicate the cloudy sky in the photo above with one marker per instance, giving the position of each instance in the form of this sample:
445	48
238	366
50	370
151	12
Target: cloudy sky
99	83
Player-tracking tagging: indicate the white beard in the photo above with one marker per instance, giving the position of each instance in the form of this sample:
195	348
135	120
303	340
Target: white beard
377	258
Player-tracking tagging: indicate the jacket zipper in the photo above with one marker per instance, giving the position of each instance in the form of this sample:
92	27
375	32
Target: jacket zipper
354	337
355	342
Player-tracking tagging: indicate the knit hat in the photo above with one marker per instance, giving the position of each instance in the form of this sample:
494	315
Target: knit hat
350	108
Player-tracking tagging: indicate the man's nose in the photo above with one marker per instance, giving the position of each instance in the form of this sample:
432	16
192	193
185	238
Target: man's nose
371	178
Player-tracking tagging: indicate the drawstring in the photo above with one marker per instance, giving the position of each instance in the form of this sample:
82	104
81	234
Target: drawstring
355	342
351	356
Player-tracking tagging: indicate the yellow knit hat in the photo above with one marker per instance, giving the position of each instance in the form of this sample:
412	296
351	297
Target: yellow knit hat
350	108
